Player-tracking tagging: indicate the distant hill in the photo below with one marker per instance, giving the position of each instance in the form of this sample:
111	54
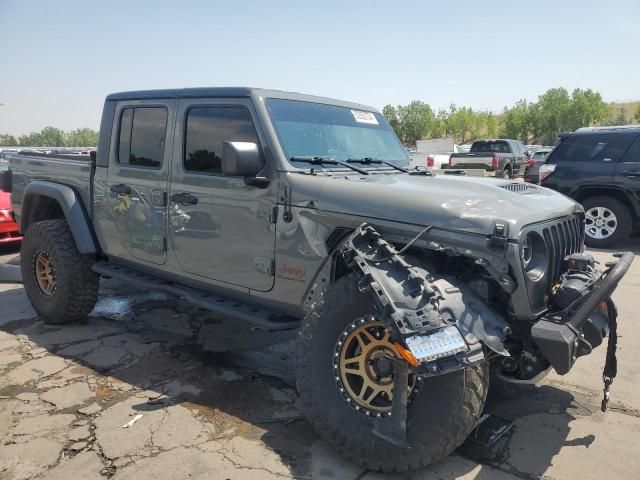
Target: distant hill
630	108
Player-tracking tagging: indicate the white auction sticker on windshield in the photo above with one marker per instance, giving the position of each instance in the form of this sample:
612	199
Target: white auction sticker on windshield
364	117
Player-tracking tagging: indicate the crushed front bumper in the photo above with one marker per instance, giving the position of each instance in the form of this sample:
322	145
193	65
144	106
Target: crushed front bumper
564	336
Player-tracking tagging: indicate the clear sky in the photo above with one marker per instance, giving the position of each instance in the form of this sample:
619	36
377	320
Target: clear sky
58	59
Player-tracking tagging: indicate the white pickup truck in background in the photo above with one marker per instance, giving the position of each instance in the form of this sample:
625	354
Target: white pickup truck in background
434	153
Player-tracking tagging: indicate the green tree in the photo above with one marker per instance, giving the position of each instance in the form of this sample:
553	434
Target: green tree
518	121
7	140
636	117
33	139
492	125
81	137
587	108
52	137
415	121
391	115
460	122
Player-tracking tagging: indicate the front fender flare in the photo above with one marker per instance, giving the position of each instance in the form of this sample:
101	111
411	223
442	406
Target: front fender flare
71	205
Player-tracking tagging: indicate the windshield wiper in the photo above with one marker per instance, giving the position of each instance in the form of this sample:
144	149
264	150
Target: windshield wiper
369	160
327	161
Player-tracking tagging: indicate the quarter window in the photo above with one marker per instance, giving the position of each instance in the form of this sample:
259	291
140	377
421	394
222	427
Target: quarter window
633	154
142	136
207	129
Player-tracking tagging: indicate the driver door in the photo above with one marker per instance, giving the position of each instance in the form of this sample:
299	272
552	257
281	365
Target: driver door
219	227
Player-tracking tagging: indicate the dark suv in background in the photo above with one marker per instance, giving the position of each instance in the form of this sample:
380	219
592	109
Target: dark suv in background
600	168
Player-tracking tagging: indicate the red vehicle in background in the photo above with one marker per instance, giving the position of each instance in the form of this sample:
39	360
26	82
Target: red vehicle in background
9	229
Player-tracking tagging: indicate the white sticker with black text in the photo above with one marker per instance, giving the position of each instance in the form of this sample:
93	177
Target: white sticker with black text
364	117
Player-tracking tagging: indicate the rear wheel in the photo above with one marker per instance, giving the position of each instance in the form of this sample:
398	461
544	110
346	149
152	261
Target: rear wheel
57	278
607	221
345	381
506	173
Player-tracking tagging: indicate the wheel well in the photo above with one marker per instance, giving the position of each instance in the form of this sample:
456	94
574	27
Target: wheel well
42	208
619	195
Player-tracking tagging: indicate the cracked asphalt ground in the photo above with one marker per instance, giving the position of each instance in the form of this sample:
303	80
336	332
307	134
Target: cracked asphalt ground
132	392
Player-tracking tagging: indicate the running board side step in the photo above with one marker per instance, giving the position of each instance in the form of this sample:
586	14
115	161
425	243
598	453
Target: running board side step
260	317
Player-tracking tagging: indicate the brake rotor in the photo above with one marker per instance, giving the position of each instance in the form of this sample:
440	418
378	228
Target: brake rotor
364	369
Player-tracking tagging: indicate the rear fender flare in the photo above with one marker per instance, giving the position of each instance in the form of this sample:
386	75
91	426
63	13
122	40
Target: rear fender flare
71	205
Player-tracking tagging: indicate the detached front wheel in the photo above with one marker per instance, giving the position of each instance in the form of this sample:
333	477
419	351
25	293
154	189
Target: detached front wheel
57	278
345	381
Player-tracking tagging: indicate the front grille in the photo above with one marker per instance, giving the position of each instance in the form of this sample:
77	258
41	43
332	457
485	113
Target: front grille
562	238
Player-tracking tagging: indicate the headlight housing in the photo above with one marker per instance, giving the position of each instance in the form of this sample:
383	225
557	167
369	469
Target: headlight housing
534	256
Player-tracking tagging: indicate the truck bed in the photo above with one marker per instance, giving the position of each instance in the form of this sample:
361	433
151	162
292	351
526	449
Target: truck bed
75	171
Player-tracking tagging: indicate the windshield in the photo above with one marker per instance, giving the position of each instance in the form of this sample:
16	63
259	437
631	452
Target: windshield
316	130
540	155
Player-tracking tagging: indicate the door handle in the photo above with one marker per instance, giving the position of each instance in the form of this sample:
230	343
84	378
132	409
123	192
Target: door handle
630	174
121	189
184	198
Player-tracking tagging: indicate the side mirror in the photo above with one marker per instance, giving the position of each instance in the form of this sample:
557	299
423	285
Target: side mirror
93	155
241	159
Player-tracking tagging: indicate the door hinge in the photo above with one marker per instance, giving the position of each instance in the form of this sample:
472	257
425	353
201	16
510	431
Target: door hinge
265	265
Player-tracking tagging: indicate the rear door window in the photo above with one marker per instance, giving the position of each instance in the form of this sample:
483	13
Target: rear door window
142	136
593	147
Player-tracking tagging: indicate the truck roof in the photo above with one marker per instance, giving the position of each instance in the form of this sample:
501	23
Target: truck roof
231	92
608	129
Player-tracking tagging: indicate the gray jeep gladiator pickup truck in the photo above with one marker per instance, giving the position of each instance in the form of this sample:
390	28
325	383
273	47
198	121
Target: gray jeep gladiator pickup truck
294	211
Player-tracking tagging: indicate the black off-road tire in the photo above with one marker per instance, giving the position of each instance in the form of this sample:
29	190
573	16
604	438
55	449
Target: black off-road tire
76	290
623	216
507	173
439	419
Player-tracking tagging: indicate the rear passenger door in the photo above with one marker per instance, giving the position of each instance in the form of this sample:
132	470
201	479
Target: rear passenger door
627	173
135	197
219	228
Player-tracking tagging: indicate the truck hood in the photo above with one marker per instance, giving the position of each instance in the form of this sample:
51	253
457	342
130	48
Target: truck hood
450	202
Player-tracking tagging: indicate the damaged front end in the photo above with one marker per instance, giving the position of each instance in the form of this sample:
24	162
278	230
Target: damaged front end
439	323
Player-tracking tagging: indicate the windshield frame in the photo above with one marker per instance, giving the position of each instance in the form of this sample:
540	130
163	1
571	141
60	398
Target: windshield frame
294	166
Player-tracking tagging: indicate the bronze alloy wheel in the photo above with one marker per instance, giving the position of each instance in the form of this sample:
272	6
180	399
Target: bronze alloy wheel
363	370
45	274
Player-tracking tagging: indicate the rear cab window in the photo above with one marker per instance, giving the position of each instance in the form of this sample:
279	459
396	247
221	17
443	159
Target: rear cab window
496	146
